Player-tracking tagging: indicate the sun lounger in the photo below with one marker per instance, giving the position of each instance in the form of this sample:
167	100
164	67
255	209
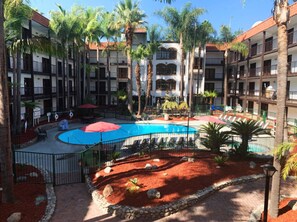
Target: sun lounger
265	125
221	116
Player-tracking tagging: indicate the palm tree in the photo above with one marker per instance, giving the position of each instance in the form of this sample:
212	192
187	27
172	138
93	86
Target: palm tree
284	152
128	17
138	54
281	17
65	25
226	39
215	138
5	148
211	95
90	30
16	13
201	35
180	23
152	47
246	130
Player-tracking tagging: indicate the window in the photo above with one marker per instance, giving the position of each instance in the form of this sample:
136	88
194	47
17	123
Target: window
209	87
254	49
268	44
209	74
163	69
123	73
164	53
164	85
290	36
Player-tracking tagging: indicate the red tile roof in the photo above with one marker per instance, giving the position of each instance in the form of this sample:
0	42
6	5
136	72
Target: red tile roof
268	23
40	19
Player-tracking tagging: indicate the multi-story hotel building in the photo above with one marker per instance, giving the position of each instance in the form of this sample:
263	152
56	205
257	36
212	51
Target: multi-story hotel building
253	80
44	81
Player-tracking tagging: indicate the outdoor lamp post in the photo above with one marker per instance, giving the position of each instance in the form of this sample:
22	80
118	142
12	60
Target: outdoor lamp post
188	128
269	170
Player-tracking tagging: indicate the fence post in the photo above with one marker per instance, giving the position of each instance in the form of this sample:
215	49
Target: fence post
54	169
13	166
81	167
150	145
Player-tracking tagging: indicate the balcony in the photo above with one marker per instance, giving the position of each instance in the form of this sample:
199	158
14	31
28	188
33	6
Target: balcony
271	45
255	72
253	93
214	61
269	70
292	38
256	49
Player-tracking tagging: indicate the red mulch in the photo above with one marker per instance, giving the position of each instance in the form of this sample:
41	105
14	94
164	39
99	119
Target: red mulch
25	194
173	178
286	214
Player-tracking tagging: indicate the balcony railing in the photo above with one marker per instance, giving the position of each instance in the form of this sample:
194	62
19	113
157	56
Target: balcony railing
292	95
270	70
214	61
252	92
254	72
292	38
271	45
256	50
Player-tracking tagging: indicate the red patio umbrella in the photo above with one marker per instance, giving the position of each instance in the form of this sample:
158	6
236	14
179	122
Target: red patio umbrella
210	119
100	127
87	106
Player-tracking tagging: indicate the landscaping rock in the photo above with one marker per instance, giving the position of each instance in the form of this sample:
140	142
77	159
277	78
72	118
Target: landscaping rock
15	217
184	158
107	170
39	200
153	194
107	190
165	174
21	178
156	160
253	165
191	159
109	163
33	174
154	167
148	166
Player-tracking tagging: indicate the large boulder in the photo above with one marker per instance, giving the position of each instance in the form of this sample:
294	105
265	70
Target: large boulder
153	194
107	190
15	217
253	165
107	170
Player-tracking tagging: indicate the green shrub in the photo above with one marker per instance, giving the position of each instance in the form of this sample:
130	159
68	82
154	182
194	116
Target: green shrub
220	160
115	155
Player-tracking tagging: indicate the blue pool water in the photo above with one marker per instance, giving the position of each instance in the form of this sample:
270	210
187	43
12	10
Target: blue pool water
256	148
79	137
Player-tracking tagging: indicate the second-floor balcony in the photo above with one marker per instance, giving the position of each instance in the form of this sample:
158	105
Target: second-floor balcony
214	61
255	72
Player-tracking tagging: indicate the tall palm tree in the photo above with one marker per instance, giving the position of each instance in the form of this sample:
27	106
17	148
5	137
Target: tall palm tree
246	130
202	33
226	39
65	26
5	148
281	17
128	17
138	54
16	13
90	32
154	34
179	23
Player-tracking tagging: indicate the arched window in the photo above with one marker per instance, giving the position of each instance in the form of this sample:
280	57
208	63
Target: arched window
163	69
160	84
164	53
171	84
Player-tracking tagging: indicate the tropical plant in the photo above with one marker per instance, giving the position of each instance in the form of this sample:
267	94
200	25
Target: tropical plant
226	40
211	95
179	24
5	148
138	54
154	42
169	105
246	130
115	155
202	34
183	106
215	138
220	160
132	185
288	159
66	26
16	13
281	17
128	17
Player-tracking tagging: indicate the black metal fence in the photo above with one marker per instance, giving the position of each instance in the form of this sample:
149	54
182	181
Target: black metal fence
67	168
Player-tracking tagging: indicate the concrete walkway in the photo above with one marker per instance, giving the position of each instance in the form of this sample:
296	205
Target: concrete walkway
234	203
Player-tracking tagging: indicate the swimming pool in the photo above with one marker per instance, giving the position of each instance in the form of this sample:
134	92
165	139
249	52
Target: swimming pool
255	148
79	137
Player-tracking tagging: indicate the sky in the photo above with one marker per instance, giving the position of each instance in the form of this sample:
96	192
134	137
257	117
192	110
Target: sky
234	13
